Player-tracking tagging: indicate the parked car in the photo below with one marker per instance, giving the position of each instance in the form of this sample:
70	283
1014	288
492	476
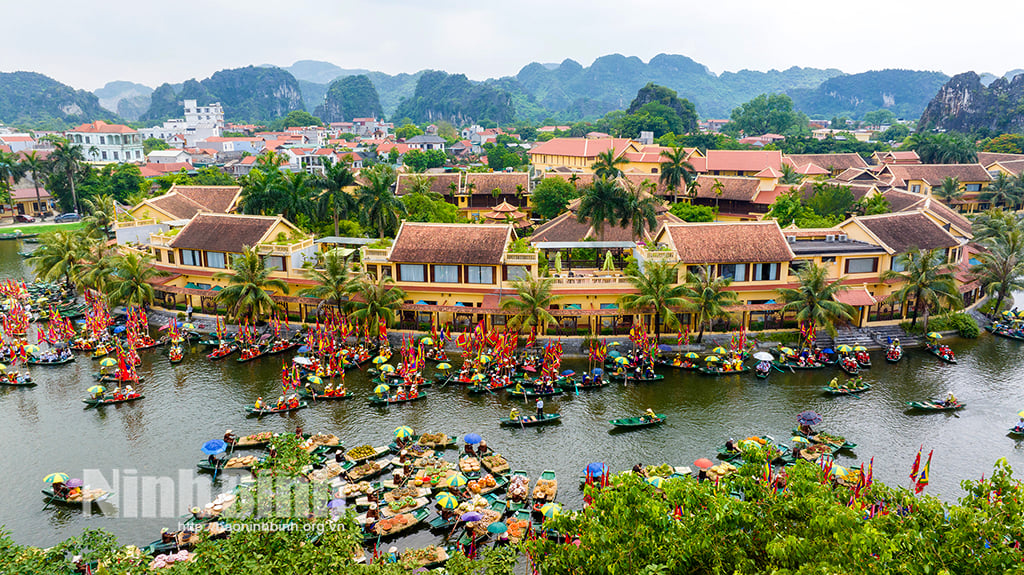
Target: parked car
68	217
24	219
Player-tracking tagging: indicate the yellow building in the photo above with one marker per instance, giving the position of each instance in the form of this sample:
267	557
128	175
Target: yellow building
579	154
183	202
925	178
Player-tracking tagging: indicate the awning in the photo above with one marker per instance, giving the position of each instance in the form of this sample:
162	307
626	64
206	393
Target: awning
857	297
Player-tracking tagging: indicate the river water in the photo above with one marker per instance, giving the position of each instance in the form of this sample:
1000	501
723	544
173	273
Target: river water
46	429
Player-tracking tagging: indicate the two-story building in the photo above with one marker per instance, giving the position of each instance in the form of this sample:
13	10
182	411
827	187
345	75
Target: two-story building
179	205
102	142
925	178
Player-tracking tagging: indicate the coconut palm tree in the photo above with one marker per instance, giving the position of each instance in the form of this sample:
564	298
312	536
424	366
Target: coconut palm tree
717	188
994	223
676	171
602	203
376	299
11	171
707	297
1001	269
790	177
927	280
34	166
419	184
658	293
530	306
259	191
295	196
58	255
248	281
128	282
335	200
102	211
640	208
607	165
380	207
813	300
332	280
1002	191
949	192
68	160
95	266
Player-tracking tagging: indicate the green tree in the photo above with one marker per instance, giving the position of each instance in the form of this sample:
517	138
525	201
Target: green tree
707	297
927	280
380	207
1005	144
607	165
33	165
639	209
66	163
102	212
332	279
658	293
58	255
408	131
880	117
994	223
676	171
531	304
429	207
1003	191
376	299
335	199
249	282
945	148
603	203
790	177
259	190
786	208
10	172
766	114
950	191
896	133
154	144
128	283
1000	268
874	205
552	195
814	299
296	119
295	196
831	200
691	213
95	266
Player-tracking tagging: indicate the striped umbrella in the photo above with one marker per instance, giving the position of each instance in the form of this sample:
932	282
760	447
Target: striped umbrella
380	359
56	478
844	349
403	432
315	379
621	360
447	500
387	368
859	348
720	350
96	389
711	358
32	349
444	366
381	389
549	510
656	481
108	362
478	377
692	355
427	341
457	480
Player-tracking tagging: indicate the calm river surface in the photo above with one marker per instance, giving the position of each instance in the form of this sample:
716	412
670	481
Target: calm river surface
45	429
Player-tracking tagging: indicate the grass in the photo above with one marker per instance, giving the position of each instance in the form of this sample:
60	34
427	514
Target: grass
42	228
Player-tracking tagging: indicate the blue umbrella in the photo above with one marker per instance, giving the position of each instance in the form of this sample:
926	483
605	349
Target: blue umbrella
596	469
568	372
303	349
664	347
597	371
119	329
828	350
214	447
471	516
335	503
473	438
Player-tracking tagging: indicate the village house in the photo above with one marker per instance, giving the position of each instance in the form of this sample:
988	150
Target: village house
102	142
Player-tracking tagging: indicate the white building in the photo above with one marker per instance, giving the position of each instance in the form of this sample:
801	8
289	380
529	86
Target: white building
197	116
18	142
169	157
103	142
200	122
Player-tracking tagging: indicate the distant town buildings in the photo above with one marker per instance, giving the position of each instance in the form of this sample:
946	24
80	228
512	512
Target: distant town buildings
103	142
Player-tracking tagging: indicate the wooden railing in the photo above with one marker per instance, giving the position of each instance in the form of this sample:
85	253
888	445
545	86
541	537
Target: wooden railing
521	259
598	280
379	255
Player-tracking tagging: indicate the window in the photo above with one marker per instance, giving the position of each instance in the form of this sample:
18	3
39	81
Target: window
796	265
916	188
191	258
972	188
446	274
156	254
115	156
828	259
371	270
736	272
517	272
896	265
861	265
170	257
215	260
274	262
385	271
411	273
102	140
479	274
103	154
764	272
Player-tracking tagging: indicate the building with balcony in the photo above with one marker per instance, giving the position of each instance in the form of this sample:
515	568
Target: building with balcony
104	143
179	205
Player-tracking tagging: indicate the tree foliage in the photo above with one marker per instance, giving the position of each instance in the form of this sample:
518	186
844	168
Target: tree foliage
551	196
766	114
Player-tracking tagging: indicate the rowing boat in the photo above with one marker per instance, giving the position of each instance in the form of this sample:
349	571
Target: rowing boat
393	400
111	400
222	351
113	378
304	394
268	411
478	389
22	381
638	379
685	365
379	533
545	490
846	390
33	361
933	405
894	354
715	372
529	393
530	420
934	350
518	485
792	365
637	422
65	501
235	463
377	452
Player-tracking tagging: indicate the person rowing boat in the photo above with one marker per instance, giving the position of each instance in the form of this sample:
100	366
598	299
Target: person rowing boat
649	416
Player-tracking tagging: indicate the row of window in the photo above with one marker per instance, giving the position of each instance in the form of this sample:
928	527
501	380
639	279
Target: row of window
105	140
217	260
127	155
770	272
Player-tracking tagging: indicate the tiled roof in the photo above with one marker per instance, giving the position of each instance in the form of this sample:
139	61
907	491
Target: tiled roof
829	161
743	160
178	206
506	181
580	147
904	201
1015	167
897	157
988	158
223	232
933	174
475	244
733	188
856	297
218	199
152	170
906	230
101	127
438	183
746	242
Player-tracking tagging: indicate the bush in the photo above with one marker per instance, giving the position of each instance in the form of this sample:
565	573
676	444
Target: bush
961	322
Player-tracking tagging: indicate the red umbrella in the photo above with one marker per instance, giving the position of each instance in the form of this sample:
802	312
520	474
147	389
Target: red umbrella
703	463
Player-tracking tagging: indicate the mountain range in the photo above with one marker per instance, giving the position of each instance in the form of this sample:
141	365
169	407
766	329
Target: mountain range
563	92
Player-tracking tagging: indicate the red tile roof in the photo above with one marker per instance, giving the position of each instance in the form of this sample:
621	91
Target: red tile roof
743	160
218	199
713	243
829	161
505	181
223	232
153	170
934	174
474	244
906	230
856	297
439	183
581	147
101	127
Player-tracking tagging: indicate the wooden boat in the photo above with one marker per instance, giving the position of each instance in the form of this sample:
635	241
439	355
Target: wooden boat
894	355
850	367
640	379
222	351
251	441
934	405
794	365
321	397
21	381
205	466
392	400
93	499
260	352
577	385
934	350
109	400
715	372
686	364
181	541
377	452
514	505
378	533
539	499
865	362
113	378
843	390
530	420
527	393
488	388
763	374
365	474
280	346
1014	432
267	411
175	355
638	422
36	361
824	438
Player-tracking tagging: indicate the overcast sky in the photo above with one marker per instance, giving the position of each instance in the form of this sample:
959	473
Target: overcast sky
86	44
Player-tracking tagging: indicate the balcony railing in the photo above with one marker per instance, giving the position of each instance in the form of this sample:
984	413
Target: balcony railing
160	240
377	255
134	223
521	259
284	249
598	279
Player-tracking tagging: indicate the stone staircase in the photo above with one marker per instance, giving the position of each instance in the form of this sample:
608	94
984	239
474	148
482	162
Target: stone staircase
854	337
883	334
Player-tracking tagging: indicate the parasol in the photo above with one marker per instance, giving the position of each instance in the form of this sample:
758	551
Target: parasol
403	432
703	463
214	447
447	500
56	478
764	356
472	438
808	418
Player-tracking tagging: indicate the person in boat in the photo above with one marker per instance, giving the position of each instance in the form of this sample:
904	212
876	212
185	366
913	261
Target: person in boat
951	400
213	461
280	403
834	384
230	438
293	402
1020	425
512	415
540	408
481	448
372	515
639	470
60	490
129	391
806	429
649	415
258	404
730	446
118	394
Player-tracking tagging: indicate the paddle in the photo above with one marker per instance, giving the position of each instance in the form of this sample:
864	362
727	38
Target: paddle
50	500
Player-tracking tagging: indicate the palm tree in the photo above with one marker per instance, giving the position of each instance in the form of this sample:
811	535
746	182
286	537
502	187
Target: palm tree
128	283
58	255
717	188
333	284
259	191
1001	269
814	300
419	184
658	293
376	299
67	159
530	306
1002	191
876	204
708	297
34	166
380	206
927	279
994	223
102	213
249	279
453	189
790	177
295	196
676	171
640	209
10	172
607	165
949	192
337	176
603	202
95	266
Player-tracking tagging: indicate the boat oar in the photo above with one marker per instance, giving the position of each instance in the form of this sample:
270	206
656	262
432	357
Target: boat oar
50	500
